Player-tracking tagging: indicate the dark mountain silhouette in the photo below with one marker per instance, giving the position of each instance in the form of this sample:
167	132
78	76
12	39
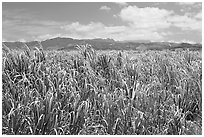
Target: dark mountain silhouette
60	43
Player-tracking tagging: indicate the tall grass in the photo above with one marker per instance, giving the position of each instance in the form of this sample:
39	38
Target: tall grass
55	93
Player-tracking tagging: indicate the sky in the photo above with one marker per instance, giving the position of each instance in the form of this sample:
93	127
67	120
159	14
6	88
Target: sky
155	21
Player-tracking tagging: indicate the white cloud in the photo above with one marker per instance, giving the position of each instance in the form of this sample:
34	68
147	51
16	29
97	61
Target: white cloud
188	41
114	29
183	41
122	4
185	22
115	16
93	29
199	15
147	23
46	36
189	6
186	3
77	27
106	8
4	40
96	29
155	19
145	18
22	40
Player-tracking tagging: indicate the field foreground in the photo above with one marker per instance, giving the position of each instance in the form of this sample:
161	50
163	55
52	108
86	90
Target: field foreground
89	92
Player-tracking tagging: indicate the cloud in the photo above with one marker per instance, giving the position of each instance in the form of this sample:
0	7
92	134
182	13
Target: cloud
148	23
155	19
33	27
183	41
77	27
106	8
46	36
92	30
185	22
97	29
122	4
16	14
19	25
188	41
29	30
22	40
199	15
186	3
190	5
115	16
145	18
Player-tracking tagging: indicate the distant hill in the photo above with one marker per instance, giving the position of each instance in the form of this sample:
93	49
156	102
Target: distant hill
59	43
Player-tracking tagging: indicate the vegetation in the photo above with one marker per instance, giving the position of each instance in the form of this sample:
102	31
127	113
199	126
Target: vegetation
58	93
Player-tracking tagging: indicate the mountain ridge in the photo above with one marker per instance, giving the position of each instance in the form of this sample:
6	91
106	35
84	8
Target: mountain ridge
63	43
